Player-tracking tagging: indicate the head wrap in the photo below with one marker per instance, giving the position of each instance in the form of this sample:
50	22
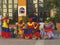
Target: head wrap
48	19
30	19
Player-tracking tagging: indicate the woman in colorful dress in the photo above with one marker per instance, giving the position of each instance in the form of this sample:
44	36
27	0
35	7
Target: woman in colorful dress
36	30
28	32
5	29
48	31
21	26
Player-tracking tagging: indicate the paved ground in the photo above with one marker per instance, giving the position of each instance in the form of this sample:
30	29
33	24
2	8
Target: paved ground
29	42
52	42
17	42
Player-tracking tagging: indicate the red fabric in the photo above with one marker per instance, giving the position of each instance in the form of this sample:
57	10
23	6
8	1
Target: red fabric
48	30
30	27
4	18
45	31
7	35
10	34
3	33
27	35
30	35
37	34
37	25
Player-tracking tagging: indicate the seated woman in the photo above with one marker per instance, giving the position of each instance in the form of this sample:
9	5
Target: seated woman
28	32
21	26
48	30
36	30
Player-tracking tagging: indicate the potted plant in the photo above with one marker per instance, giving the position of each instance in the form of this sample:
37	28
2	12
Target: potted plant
57	20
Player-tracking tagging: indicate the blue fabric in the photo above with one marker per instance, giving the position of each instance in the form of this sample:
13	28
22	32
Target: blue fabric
37	30
25	31
28	31
5	29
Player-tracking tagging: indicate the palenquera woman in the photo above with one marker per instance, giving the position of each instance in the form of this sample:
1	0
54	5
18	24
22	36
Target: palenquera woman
5	30
36	30
30	27
21	26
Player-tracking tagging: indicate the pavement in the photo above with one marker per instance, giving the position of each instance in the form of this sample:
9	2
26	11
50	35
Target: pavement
29	42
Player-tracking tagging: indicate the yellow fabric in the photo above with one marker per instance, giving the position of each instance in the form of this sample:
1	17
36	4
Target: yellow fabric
19	18
45	37
8	21
5	24
21	25
20	32
30	24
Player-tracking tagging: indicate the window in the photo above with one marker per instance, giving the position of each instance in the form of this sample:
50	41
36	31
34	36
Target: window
15	6
15	1
9	6
4	6
4	14
35	1
10	14
10	10
4	1
4	10
9	1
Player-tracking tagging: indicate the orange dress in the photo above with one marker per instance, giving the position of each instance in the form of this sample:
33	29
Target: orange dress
30	25
20	27
28	32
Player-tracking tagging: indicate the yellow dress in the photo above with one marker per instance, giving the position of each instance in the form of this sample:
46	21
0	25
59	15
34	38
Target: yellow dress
20	31
4	24
30	24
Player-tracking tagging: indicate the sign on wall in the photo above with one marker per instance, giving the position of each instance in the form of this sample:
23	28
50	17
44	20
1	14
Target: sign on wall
21	7
21	10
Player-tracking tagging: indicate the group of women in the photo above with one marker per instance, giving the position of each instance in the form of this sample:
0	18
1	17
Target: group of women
29	30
